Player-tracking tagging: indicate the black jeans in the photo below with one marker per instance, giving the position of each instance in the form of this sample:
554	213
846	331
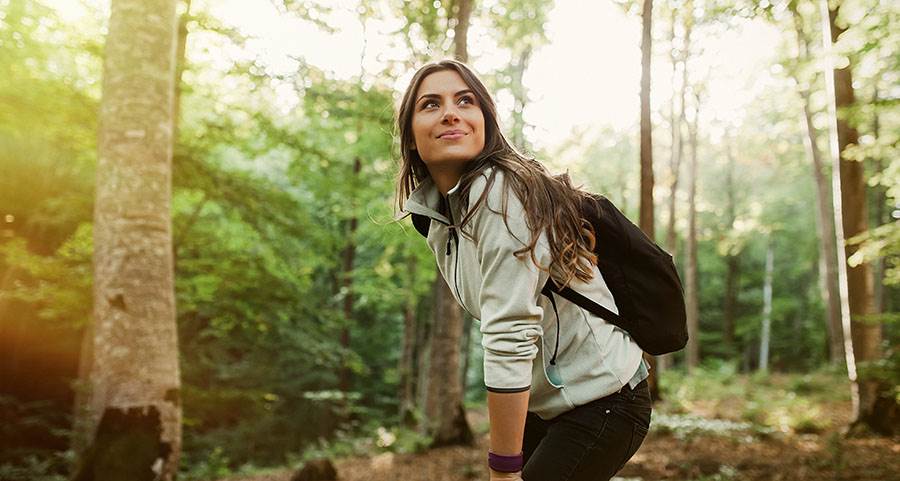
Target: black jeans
589	443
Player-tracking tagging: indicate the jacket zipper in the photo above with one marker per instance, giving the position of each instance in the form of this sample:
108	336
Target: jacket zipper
453	236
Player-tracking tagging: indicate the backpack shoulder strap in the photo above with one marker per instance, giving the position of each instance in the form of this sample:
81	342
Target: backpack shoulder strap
584	303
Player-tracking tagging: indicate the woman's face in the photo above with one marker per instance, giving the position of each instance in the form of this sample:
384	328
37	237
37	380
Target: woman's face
447	122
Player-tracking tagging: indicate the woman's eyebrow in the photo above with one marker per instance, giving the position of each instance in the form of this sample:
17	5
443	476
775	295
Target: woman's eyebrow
436	96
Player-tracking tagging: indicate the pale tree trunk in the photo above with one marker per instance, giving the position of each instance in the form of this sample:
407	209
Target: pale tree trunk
677	138
445	417
875	406
732	260
133	402
767	310
520	97
825	217
691	285
646	206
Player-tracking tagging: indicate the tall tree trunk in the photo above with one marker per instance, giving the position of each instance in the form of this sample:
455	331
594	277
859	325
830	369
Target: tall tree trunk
134	397
461	29
407	366
444	412
691	284
520	97
445	416
825	217
827	248
732	261
876	406
767	310
677	137
729	308
346	380
646	207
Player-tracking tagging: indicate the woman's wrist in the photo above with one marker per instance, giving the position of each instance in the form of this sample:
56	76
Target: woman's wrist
505	463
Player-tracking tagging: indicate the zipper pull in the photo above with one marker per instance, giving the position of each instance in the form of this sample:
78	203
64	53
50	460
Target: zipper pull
449	236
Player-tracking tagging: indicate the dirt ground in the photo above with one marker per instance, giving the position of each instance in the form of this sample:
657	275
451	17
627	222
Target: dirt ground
665	456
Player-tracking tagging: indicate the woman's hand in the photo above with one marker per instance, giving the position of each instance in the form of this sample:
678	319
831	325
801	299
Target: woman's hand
498	476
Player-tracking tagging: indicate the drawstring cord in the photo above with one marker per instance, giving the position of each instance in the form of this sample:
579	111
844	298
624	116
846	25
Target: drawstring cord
555	349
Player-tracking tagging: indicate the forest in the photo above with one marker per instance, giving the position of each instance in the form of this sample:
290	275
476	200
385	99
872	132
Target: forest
204	274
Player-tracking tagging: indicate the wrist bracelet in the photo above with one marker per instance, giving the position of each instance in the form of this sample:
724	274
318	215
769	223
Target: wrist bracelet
505	464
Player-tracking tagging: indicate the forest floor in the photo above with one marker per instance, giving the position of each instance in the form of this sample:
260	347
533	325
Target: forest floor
742	431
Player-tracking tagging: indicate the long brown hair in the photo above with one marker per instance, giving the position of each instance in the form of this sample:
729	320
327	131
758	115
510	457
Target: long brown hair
551	203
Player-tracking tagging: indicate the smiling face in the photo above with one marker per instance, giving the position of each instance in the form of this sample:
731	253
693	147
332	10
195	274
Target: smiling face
447	123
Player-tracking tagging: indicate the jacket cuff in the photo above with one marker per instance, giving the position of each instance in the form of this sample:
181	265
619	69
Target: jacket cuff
507	390
504	372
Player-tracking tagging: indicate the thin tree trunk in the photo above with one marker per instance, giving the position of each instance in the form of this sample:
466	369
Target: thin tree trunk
729	308
134	398
767	311
825	217
827	248
408	355
691	283
732	260
647	181
346	380
677	138
521	98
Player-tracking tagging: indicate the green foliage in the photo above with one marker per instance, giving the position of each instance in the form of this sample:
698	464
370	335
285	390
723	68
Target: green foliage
738	405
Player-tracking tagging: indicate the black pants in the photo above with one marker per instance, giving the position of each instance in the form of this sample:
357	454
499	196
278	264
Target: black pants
589	443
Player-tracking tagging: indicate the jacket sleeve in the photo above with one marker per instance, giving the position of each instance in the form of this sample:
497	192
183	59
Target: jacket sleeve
510	289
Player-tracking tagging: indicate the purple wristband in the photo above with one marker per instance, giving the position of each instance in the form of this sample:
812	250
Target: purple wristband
505	464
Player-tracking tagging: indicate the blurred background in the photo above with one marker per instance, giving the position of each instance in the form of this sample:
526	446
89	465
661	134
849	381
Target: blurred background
305	315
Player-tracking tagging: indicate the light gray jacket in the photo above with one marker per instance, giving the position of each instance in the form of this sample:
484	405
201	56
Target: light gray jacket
593	358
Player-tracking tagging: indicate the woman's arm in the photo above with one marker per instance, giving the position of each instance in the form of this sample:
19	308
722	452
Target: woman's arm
510	315
507	413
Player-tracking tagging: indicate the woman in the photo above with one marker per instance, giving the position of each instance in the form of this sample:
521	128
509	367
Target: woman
567	395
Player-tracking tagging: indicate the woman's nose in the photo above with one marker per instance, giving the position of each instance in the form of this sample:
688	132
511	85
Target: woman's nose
450	115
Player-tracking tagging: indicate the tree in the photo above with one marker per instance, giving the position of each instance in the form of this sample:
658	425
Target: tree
871	397
445	416
765	331
825	217
134	402
692	302
646	206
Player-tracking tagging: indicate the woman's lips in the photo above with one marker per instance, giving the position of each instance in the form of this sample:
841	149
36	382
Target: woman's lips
452	136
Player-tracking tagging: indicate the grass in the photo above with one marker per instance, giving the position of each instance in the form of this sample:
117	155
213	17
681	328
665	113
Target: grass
715	398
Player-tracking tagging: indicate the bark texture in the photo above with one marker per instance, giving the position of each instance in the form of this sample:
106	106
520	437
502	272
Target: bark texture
824	214
133	413
877	407
647	181
445	417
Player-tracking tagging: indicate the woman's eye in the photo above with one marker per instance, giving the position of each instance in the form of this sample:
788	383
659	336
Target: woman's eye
467	99
429	103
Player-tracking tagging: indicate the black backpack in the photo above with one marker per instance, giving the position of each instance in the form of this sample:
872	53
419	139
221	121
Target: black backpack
641	276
